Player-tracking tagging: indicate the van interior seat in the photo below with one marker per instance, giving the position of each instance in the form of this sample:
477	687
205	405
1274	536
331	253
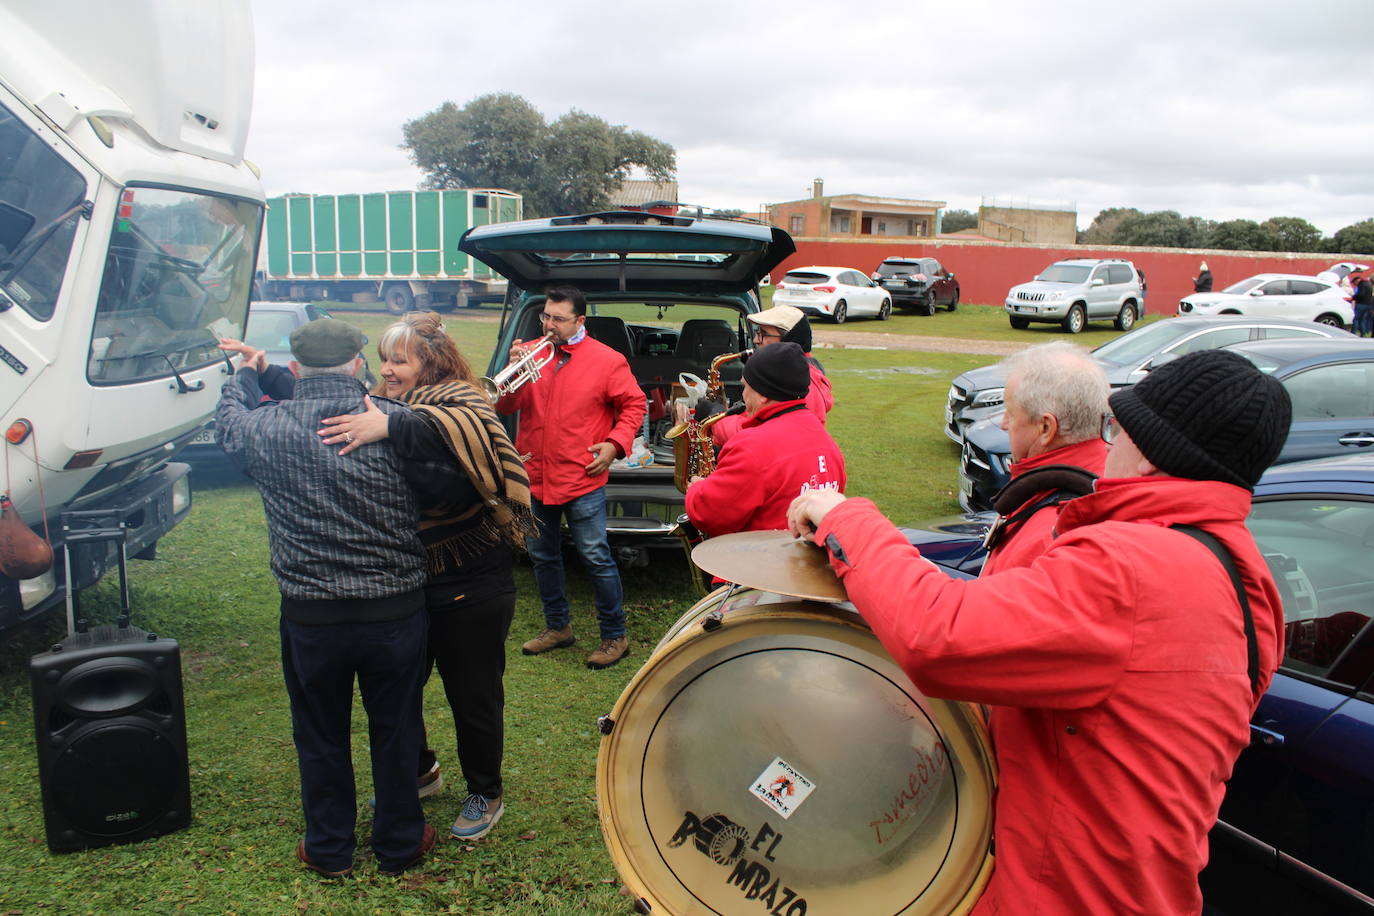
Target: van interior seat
611	331
703	339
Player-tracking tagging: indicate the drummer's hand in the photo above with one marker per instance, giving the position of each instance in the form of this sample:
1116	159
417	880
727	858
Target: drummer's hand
354	430
605	453
806	512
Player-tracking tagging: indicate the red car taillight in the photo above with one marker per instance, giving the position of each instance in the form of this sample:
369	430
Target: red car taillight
824	289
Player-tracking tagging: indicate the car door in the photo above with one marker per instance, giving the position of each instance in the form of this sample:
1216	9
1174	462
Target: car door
1270	300
1297	823
940	283
1100	296
862	294
1333	410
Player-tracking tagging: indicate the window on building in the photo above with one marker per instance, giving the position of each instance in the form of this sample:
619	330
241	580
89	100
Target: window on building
842	224
882	227
796	224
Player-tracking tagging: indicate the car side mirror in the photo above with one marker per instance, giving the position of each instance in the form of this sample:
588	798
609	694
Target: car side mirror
949	275
874	276
1159	360
1257	292
1098	281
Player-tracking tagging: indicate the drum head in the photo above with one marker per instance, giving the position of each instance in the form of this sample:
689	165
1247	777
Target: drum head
771	561
782	759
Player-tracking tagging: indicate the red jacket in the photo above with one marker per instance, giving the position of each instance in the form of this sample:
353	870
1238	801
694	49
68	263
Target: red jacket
1032	536
781	452
1123	686
819	400
590	398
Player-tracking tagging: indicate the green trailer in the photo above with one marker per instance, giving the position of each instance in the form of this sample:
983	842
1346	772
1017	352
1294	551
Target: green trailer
397	247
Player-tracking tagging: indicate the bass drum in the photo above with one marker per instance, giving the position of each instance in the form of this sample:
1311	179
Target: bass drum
770	757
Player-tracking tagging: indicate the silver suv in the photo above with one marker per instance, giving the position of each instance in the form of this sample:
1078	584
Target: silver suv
1071	293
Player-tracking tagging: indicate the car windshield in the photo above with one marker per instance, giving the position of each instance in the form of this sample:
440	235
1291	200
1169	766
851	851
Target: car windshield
177	278
1065	273
1135	347
804	277
1244	286
898	270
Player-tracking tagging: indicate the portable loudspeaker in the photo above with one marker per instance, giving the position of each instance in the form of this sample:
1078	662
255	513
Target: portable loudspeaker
111	733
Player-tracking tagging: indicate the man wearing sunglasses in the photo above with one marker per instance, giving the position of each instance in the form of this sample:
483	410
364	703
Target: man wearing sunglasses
1123	664
1055	396
581	414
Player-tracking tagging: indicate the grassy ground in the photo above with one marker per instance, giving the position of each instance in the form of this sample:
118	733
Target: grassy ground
211	589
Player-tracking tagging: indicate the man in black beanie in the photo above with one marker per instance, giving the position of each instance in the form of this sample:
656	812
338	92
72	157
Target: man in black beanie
1122	665
780	451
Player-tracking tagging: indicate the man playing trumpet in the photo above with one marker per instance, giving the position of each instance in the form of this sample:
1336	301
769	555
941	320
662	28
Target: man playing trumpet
780	451
578	416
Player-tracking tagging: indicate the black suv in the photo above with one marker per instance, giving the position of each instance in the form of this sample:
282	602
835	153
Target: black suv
918	283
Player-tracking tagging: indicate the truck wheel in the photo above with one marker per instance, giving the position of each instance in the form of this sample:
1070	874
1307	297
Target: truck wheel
1125	319
399	299
1018	322
1073	322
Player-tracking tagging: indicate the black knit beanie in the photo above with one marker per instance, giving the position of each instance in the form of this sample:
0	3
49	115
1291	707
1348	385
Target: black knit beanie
1210	415
800	334
779	372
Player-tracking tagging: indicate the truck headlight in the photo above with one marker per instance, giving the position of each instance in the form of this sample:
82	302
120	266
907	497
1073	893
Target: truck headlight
32	592
181	494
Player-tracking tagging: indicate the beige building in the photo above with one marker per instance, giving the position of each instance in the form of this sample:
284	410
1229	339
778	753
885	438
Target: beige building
1028	224
636	192
844	216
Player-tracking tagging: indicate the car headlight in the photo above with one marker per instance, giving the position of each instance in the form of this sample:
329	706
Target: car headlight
1056	297
989	397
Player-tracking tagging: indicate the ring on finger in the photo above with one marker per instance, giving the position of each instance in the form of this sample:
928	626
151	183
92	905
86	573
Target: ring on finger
348	438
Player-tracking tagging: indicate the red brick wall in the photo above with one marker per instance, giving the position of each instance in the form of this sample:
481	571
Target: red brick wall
986	271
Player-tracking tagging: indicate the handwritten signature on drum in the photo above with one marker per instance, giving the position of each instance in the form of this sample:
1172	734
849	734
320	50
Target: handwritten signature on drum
922	783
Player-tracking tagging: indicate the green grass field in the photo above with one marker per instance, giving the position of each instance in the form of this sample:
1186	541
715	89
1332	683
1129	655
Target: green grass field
210	588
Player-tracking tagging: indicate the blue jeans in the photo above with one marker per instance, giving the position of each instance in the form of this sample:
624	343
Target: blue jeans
1364	320
320	664
587	521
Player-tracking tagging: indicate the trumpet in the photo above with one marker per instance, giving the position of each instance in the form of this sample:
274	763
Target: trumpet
523	370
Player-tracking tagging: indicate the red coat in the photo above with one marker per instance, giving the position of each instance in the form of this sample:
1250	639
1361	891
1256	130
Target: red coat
819	400
1032	537
590	398
781	452
1122	681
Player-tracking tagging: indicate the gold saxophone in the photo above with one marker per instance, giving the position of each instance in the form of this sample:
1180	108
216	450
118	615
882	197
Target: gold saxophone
694	455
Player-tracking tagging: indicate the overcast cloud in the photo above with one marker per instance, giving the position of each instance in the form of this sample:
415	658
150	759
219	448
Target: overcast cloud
1219	110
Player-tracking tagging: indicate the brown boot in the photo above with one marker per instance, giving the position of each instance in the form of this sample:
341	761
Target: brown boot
608	653
549	639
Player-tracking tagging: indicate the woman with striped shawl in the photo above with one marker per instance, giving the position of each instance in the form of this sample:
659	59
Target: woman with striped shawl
475	512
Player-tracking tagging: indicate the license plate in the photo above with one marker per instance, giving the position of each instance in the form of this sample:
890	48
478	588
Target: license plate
204	437
965	484
1032	309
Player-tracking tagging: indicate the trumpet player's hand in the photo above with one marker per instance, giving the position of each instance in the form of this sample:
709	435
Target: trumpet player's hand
604	453
354	430
806	512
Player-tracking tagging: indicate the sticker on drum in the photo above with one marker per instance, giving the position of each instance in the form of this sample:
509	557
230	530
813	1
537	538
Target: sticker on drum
897	788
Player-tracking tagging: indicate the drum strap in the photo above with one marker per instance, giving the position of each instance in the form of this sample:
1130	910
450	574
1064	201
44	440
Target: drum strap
1208	540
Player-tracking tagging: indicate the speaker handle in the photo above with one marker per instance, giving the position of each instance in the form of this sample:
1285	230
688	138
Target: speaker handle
94	526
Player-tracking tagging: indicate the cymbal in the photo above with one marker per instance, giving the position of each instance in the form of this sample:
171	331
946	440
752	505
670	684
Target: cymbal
771	561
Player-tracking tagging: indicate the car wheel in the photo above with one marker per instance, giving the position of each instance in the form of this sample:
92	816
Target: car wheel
1018	323
885	310
1125	319
954	300
928	307
841	312
1073	322
1330	319
399	299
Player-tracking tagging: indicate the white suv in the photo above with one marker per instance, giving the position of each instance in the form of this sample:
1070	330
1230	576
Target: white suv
1071	293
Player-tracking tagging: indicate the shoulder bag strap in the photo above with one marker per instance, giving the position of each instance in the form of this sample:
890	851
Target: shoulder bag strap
1208	540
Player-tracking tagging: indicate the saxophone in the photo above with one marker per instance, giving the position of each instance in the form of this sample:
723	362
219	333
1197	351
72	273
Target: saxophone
694	455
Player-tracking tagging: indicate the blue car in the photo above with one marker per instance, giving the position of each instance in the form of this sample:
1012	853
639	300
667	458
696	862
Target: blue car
1296	830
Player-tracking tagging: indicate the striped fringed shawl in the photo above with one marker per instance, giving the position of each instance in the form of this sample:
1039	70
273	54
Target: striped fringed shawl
478	442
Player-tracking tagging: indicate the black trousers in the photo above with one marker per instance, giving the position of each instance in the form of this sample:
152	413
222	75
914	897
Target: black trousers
319	664
468	645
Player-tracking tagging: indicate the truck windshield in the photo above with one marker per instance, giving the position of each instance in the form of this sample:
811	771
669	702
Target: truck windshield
177	278
41	197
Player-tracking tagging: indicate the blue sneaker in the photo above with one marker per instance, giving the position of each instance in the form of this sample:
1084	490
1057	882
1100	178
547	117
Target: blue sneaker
478	816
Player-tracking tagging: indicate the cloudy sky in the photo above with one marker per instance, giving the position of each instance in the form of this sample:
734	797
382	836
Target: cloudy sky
1215	109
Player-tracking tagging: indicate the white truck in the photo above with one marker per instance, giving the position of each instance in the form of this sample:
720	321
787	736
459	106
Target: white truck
129	228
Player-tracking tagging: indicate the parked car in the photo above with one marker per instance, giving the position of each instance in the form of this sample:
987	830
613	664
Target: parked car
1073	292
836	293
1339	271
1276	296
1297	822
269	328
919	284
1306	365
977	394
667	316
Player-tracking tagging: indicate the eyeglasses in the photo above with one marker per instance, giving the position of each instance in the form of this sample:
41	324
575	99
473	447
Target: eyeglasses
1110	428
765	334
557	319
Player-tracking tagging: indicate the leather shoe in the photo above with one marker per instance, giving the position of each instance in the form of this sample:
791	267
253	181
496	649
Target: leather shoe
427	840
548	640
310	864
608	653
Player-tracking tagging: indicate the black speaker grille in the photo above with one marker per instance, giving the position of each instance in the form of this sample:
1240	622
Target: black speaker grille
116	777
